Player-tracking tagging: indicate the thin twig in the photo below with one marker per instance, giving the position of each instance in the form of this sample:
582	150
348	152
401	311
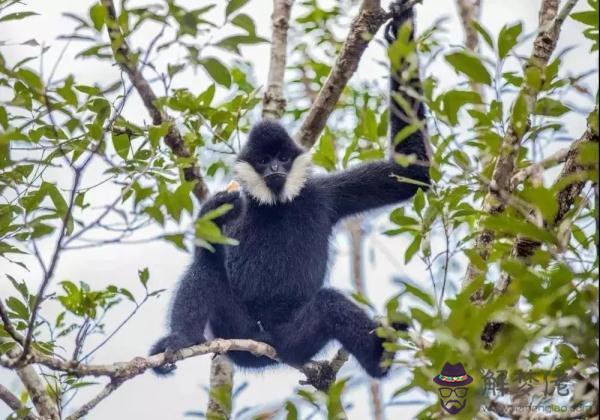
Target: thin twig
53	261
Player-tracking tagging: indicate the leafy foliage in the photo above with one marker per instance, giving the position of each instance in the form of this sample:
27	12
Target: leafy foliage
79	171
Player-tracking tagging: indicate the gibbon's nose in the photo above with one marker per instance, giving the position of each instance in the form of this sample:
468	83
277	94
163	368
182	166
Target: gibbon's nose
275	166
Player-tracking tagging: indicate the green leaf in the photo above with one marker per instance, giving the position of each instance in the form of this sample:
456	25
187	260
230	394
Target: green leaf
17	16
233	43
419	202
514	226
470	65
362	299
19	308
60	204
589	18
245	22
291	411
144	276
369	125
218	212
98	15
484	33
507	39
3	118
234	5
217	70
324	154
31	78
157	132
519	115
121	144
412	249
177	240
550	107
454	100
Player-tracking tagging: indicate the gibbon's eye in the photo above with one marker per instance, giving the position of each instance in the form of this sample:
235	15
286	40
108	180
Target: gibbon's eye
263	160
284	158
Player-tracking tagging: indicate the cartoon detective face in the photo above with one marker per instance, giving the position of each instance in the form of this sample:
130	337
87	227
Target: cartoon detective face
453	400
452	382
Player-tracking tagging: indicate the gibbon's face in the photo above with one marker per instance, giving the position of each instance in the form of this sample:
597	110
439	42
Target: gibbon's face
271	167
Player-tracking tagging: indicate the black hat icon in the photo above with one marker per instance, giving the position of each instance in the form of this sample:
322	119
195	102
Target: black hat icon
453	375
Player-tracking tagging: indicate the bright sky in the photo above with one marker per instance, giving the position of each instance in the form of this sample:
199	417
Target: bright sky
149	397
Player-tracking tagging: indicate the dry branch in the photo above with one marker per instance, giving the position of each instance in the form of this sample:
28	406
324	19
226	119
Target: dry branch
543	47
362	30
320	374
173	139
273	101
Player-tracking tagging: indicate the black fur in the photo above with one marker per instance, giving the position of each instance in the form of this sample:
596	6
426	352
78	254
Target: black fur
270	287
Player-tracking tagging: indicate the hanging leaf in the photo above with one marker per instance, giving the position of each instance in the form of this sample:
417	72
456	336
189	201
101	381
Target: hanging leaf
217	70
234	5
507	39
470	65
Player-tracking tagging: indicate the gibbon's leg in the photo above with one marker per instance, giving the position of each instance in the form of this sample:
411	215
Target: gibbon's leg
229	319
189	313
328	316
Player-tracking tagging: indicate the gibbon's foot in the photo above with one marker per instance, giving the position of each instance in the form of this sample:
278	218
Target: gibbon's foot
319	374
387	356
169	345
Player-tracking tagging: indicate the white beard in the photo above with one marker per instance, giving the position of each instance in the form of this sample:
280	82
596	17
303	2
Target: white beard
255	185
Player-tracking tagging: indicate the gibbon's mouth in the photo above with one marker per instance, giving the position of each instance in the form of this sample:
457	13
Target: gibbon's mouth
275	174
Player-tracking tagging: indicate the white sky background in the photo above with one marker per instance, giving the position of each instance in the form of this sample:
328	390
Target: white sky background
149	397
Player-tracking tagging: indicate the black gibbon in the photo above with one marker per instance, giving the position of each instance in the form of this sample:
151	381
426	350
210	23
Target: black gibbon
269	288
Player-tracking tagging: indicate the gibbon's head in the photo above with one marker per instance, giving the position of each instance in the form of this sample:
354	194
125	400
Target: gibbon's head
271	167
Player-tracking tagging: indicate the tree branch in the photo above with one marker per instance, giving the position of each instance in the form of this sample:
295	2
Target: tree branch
10	399
525	247
173	139
273	101
554	159
8	326
221	387
138	365
357	236
87	407
49	272
36	389
543	47
362	30
469	11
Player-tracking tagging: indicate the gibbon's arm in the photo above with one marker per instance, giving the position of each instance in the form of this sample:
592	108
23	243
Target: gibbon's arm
372	185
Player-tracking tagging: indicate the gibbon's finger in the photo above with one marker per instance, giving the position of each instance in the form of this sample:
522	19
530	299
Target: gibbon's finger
232	186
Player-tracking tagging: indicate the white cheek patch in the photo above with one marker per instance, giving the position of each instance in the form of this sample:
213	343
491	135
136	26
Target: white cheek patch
253	183
297	177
